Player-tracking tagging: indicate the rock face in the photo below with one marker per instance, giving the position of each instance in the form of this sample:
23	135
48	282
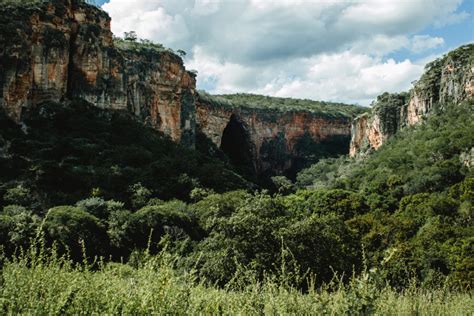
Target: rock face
371	130
448	80
59	50
269	141
63	49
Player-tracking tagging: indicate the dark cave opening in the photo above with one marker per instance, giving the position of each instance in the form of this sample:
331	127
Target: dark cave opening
237	146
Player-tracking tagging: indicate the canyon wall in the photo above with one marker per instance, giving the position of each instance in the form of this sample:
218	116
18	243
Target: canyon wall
59	50
63	49
278	142
446	81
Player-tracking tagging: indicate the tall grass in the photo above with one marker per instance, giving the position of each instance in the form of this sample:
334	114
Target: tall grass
42	282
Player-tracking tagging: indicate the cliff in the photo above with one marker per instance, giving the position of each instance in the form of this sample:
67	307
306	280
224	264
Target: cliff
273	140
447	80
63	49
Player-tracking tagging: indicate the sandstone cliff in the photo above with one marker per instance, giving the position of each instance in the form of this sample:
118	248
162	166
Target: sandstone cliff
63	49
272	141
447	80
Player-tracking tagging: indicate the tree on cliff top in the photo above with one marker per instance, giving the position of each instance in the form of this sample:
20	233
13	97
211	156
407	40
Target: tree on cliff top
130	36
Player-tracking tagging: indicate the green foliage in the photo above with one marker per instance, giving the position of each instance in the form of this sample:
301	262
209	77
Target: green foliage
17	226
72	149
19	195
278	105
75	230
244	234
44	283
323	244
144	47
139	195
282	184
416	212
343	203
388	107
389	204
148	225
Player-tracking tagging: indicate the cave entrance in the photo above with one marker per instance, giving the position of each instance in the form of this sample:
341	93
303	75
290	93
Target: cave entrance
237	146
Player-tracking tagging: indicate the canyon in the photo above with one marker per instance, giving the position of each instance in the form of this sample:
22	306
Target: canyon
61	50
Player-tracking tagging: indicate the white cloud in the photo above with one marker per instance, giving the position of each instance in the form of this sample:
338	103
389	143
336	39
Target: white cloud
380	45
348	77
421	43
345	77
206	7
321	49
452	19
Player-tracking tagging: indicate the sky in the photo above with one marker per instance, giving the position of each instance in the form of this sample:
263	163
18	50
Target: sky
332	50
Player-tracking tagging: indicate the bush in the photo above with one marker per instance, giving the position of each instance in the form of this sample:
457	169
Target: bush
71	226
18	226
19	195
148	225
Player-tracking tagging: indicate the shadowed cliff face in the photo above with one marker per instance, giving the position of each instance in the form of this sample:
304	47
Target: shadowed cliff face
277	142
63	49
448	80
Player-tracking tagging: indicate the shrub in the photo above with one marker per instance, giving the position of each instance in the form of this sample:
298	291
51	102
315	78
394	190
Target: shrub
69	226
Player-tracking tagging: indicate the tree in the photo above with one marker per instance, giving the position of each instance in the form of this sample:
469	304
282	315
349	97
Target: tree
151	223
70	226
130	36
139	195
283	184
17	226
181	52
323	244
18	195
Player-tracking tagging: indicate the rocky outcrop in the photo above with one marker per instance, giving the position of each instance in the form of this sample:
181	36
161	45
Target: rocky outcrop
63	49
447	80
371	130
278	142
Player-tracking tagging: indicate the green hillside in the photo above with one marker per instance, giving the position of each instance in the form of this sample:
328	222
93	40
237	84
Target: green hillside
67	151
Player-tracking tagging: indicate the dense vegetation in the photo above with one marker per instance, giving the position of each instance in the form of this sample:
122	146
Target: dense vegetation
419	189
100	214
43	284
74	150
254	101
406	209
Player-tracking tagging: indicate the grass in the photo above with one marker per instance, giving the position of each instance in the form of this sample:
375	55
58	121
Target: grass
43	283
